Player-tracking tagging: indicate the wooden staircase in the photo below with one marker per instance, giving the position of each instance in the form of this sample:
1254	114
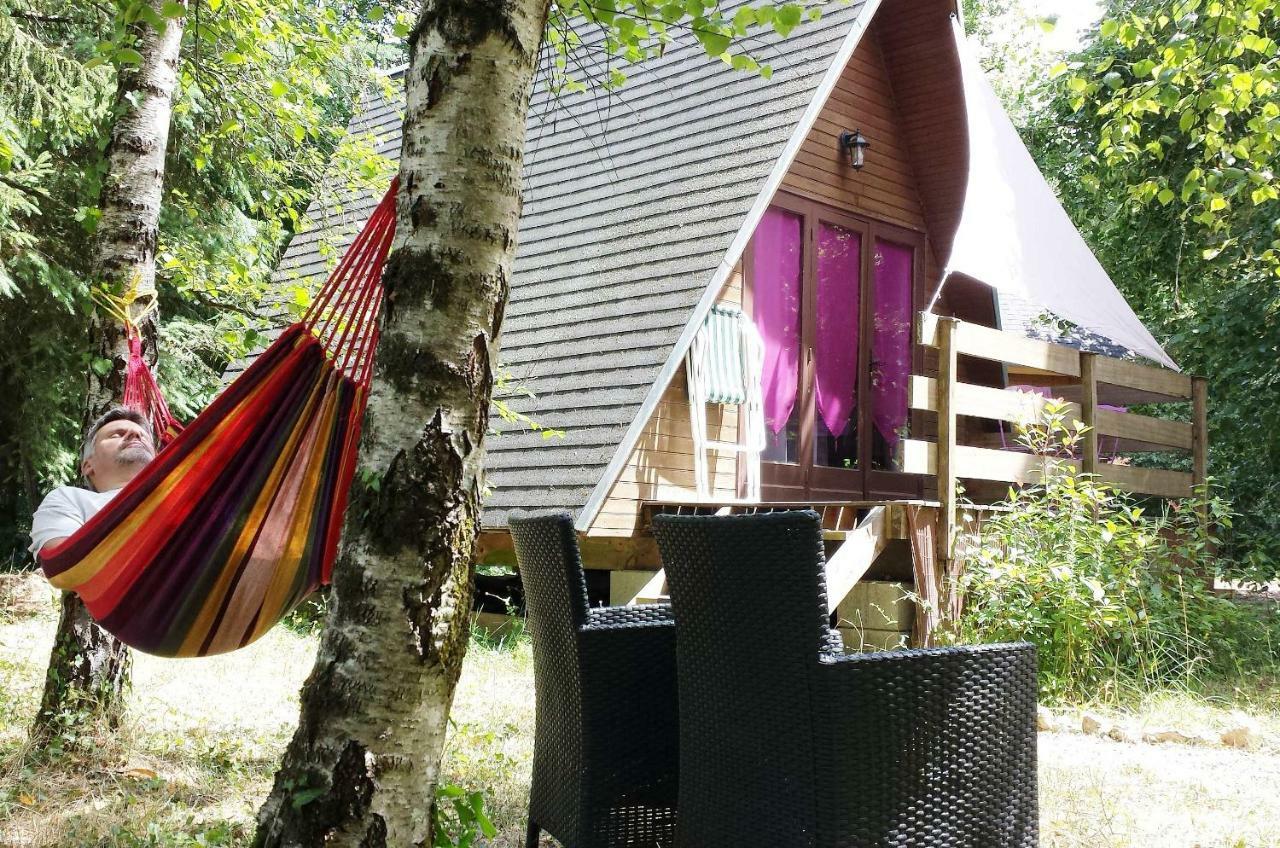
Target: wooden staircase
860	530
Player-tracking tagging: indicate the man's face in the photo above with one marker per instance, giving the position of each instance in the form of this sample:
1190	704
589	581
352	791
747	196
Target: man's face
119	448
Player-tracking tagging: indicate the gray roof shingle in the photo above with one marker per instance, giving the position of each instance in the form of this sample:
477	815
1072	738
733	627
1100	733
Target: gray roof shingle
631	200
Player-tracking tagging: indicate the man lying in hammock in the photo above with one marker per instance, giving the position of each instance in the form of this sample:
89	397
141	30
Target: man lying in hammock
116	448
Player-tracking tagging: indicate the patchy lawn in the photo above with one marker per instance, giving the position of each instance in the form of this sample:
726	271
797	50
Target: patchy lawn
197	751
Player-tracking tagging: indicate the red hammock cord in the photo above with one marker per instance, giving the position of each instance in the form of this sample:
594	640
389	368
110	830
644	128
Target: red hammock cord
343	316
142	392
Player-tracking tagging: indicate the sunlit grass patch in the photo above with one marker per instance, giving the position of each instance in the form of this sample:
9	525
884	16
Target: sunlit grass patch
202	738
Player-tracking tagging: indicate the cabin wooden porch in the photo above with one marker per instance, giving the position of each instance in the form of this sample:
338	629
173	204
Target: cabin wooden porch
962	433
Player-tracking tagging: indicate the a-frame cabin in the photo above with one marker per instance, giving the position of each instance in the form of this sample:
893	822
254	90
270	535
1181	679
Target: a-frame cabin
658	211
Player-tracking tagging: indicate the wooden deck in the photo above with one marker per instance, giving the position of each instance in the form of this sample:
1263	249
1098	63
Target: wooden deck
974	442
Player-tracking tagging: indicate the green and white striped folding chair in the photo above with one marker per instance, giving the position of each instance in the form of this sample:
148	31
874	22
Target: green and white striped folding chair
724	366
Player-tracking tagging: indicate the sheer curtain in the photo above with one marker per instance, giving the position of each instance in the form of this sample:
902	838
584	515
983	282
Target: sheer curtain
836	342
776	302
891	339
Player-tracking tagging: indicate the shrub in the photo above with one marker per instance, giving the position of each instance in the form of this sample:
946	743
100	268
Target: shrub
1117	599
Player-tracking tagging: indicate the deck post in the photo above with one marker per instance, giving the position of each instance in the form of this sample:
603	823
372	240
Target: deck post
1089	411
1200	438
946	438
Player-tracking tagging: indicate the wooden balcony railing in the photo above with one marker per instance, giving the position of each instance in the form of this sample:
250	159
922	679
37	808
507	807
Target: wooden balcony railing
1084	380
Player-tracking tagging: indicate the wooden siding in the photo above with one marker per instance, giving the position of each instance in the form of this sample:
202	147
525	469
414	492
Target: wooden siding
885	188
661	464
868	96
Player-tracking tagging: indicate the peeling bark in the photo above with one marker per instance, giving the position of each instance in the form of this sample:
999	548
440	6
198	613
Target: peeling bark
89	669
363	765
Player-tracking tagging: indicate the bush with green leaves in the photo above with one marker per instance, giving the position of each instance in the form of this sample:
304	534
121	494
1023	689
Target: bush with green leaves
460	818
1115	595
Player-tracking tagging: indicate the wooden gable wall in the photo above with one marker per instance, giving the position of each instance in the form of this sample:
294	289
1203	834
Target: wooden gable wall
885	188
660	466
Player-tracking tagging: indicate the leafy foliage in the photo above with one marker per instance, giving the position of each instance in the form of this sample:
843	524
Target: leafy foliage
1135	116
635	30
1188	96
259	129
460	819
1114	597
1011	49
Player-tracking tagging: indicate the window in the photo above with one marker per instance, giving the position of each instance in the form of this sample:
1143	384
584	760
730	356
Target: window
833	296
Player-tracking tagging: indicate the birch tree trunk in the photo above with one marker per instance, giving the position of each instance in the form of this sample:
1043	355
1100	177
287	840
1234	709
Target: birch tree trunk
88	668
363	765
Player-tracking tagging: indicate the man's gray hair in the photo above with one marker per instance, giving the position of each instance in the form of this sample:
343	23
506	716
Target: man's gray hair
115	413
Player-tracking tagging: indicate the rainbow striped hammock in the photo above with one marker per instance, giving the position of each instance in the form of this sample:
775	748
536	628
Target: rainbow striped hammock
237	519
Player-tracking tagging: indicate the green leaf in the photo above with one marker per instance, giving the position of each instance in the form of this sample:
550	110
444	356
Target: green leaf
1165	196
788	17
233	58
714	43
1058	70
377	13
173	10
304	797
128	56
278	88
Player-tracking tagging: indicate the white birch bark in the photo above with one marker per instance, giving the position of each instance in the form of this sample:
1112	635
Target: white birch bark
88	669
363	766
129	226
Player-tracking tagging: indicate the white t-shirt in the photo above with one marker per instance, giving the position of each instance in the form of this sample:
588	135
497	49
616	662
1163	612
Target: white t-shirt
64	511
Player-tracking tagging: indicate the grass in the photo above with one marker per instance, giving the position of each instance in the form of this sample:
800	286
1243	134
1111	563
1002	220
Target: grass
196	754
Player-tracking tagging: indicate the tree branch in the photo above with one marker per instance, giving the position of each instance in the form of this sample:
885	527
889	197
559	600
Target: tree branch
18	186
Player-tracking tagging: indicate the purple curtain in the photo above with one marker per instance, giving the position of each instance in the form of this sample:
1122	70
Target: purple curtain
776	302
891	339
836	344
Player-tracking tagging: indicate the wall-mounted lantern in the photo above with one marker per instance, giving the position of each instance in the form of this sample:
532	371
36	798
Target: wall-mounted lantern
855	145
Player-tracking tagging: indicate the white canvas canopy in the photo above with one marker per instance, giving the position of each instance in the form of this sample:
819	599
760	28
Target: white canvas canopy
1014	235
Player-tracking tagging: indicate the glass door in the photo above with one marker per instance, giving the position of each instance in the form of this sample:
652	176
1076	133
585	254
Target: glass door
833	297
838	455
889	374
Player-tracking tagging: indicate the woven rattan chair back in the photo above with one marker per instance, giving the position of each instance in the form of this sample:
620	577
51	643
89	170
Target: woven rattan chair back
604	761
787	743
746	643
555	594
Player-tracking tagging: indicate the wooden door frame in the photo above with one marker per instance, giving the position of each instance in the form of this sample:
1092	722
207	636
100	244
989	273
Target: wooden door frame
870	481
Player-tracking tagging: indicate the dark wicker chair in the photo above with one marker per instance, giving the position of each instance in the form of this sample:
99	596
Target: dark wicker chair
604	753
784	741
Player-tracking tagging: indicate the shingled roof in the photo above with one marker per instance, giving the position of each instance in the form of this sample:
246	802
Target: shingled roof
632	201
